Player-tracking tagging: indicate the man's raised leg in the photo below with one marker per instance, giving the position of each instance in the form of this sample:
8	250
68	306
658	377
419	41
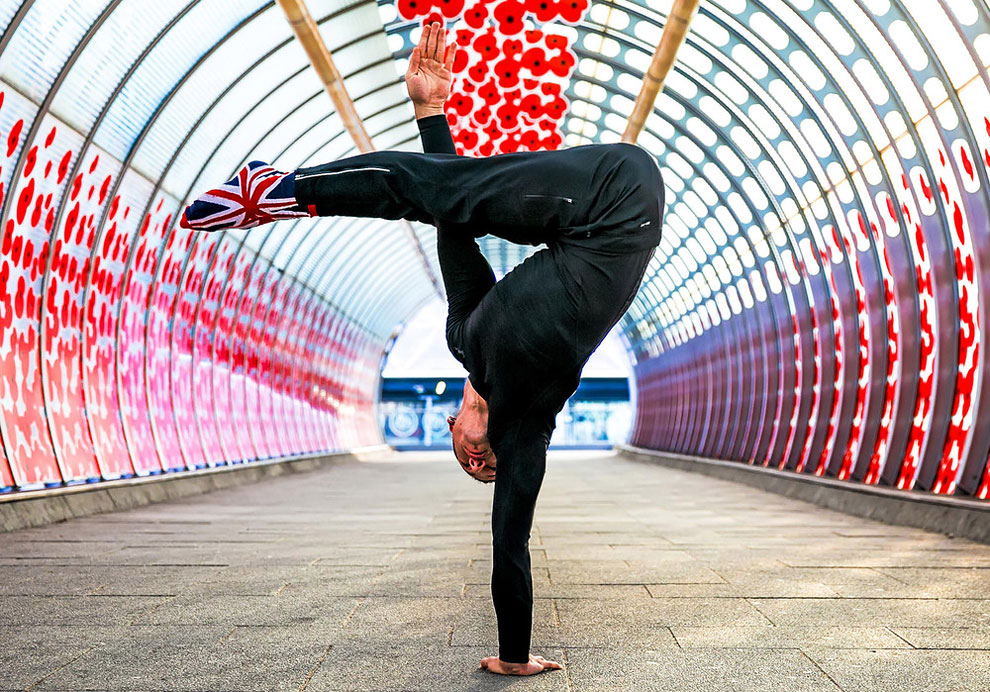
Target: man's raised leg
527	197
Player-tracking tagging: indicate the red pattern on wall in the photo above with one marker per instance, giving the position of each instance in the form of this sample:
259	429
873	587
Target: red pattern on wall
62	317
153	449
93	379
864	364
99	345
227	376
969	335
921	420
211	417
831	252
878	459
25	248
510	75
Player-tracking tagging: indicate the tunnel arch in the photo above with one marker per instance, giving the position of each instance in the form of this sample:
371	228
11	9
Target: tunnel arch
816	303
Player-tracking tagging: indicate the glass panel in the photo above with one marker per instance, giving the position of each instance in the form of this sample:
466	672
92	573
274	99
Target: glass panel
44	40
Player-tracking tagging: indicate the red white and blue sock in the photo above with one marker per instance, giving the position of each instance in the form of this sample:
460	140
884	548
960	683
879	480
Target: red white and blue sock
258	194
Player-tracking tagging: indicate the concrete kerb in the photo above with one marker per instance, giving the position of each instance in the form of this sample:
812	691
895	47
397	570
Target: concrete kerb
957	516
25	509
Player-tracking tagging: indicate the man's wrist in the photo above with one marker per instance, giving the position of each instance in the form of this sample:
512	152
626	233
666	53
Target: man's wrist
427	111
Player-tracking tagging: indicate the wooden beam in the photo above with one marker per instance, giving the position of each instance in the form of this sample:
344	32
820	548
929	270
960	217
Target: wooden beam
319	56
312	42
674	33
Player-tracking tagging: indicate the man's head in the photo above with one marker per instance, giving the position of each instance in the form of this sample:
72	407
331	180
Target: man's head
469	433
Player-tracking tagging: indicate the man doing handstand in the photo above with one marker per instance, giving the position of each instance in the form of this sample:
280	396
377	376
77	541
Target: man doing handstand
523	340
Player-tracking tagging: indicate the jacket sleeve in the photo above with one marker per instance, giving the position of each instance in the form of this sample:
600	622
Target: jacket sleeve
467	276
434	132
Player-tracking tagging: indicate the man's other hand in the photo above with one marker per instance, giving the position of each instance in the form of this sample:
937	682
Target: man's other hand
429	75
537	664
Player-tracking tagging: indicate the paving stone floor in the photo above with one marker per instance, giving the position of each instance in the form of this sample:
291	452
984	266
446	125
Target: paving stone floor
374	576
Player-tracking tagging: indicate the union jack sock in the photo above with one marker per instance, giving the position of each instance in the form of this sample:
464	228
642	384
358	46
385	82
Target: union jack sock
258	194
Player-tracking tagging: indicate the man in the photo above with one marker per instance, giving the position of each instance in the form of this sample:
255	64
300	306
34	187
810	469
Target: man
524	339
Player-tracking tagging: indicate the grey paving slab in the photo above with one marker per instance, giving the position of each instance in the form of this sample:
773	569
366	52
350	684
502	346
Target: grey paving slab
32	652
736	670
915	612
196	659
890	669
76	610
788	636
358	667
375	576
945	637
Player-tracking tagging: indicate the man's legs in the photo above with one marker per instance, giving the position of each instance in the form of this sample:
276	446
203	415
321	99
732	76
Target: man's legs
526	198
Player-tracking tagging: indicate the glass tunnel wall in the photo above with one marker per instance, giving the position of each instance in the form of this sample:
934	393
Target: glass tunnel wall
817	302
130	346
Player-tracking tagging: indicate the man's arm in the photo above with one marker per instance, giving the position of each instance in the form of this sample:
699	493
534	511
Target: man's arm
434	132
519	431
467	276
428	81
521	462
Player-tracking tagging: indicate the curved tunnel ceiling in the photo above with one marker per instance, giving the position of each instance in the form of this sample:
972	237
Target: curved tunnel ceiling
815	303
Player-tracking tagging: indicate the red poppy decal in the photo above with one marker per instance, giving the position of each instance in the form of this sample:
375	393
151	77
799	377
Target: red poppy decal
512	68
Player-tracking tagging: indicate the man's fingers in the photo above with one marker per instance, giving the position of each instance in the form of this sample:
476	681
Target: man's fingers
431	45
441	42
451	54
414	61
423	39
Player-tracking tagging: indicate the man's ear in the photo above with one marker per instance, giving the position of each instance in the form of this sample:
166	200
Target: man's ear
450	422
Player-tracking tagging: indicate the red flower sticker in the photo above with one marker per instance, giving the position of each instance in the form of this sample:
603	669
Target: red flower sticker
476	15
572	10
509	17
478	72
512	47
543	10
450	8
461	103
482	116
532	107
507	72
487	45
413	8
508	116
531	140
563	65
460	61
535	60
467	139
490	93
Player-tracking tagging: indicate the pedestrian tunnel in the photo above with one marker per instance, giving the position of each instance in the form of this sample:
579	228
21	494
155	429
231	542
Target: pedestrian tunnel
817	304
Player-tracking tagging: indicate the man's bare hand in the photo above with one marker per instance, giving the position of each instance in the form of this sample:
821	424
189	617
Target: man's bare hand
429	76
537	664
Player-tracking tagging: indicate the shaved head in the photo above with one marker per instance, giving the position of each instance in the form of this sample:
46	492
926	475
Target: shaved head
469	437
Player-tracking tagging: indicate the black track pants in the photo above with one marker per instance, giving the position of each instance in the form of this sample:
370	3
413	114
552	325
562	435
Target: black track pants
527	198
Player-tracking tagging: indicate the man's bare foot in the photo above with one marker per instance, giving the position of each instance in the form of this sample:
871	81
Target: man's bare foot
537	664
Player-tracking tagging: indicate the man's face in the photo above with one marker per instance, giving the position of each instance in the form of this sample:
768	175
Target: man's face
471	447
